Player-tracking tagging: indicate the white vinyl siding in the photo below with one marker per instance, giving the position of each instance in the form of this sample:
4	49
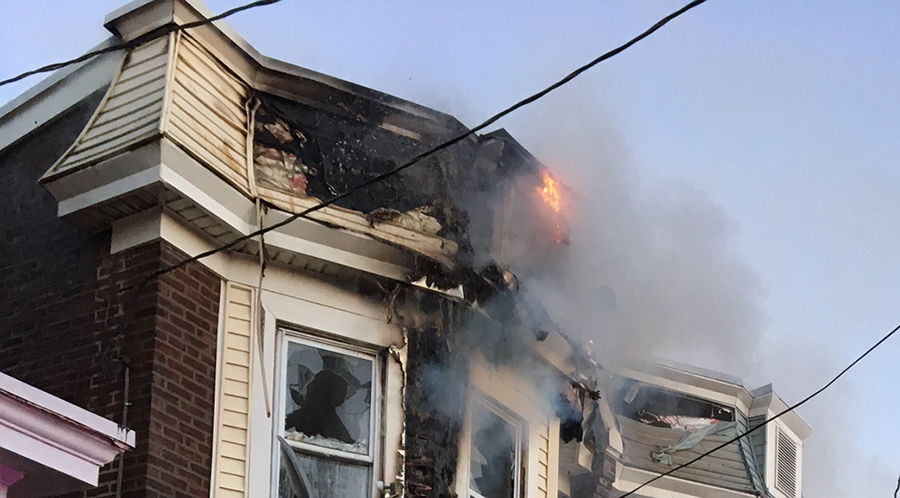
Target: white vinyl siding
130	112
206	115
544	471
233	421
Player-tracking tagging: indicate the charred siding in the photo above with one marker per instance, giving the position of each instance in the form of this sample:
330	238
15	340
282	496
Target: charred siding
435	400
327	149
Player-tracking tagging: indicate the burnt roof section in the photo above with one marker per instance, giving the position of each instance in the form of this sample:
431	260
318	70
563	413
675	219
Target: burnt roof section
324	149
342	147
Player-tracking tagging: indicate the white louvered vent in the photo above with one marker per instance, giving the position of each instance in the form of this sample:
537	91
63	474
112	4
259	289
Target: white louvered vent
785	464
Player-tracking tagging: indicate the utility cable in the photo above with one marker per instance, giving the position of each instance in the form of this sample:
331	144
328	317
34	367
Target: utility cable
456	139
147	37
365	184
787	410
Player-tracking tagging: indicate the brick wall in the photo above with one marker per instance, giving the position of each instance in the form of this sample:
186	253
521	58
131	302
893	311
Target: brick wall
64	327
184	386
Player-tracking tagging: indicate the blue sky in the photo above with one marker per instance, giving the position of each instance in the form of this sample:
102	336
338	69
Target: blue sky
779	117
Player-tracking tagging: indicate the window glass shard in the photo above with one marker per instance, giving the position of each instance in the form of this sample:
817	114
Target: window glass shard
493	456
328	402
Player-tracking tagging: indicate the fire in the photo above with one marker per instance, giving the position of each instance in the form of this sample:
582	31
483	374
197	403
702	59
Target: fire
550	192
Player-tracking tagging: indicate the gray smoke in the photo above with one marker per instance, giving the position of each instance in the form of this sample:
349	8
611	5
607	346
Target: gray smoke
650	271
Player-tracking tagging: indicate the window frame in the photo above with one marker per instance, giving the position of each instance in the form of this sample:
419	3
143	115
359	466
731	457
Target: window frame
521	444
346	346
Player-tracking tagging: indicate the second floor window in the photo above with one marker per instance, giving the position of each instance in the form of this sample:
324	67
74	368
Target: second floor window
495	451
329	410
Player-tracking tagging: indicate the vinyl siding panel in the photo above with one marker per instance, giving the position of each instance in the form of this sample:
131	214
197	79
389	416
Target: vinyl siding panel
725	468
130	112
206	115
233	420
750	452
542	446
758	441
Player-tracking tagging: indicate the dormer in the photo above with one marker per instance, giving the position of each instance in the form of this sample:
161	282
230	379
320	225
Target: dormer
659	405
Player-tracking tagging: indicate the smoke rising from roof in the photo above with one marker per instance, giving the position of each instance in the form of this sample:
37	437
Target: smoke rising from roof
650	271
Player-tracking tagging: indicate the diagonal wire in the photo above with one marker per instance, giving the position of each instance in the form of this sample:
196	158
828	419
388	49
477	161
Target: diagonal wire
365	184
456	139
787	410
152	35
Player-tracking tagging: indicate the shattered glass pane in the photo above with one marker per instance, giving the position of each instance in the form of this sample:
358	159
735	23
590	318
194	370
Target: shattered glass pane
330	478
328	402
492	459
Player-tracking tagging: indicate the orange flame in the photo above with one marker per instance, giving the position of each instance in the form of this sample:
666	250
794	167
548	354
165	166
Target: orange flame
550	192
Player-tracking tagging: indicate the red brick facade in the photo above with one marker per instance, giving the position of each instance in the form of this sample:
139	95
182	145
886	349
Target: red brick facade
65	327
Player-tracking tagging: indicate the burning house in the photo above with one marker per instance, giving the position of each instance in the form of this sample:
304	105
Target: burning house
381	346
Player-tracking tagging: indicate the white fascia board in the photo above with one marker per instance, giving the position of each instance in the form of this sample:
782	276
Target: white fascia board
716	392
164	163
109	191
80	416
669	487
42	103
56	434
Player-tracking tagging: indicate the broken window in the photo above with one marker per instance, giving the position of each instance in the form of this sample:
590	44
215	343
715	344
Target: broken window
495	454
663	408
329	417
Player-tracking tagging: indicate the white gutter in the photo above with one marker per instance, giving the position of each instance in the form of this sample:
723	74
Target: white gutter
56	434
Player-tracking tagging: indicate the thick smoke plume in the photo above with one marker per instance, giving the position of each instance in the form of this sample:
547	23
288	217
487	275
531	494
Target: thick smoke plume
649	271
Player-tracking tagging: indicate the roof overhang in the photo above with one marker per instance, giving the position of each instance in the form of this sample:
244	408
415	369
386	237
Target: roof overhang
159	176
266	74
64	88
58	446
767	403
52	97
695	382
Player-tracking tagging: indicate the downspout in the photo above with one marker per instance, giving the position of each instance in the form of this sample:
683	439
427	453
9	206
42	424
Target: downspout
250	108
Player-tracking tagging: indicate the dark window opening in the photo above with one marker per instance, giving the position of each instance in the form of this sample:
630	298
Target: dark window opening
495	459
663	408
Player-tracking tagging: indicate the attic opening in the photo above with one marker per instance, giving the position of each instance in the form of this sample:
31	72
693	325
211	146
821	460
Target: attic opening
660	407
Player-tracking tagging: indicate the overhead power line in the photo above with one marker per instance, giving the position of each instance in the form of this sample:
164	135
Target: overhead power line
456	139
787	410
306	212
152	35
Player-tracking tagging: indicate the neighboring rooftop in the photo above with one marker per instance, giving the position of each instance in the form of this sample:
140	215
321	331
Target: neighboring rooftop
49	446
